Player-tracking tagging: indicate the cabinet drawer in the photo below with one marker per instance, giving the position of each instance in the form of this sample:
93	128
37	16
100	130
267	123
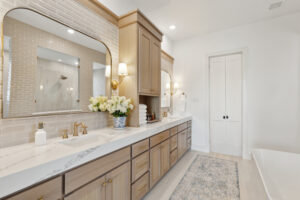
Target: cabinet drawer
154	140
140	165
190	123
140	147
173	157
173	142
182	127
140	188
189	132
92	170
174	130
50	190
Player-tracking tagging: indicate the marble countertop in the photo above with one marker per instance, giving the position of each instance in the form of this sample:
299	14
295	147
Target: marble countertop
24	165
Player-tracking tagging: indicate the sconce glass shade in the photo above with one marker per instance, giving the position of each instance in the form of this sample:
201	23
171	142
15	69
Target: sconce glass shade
176	85
123	69
107	71
168	86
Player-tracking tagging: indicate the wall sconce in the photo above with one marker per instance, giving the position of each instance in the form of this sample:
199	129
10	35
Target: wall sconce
174	88
122	72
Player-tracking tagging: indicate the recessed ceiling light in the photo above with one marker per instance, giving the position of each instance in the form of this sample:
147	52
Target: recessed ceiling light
59	60
71	31
172	27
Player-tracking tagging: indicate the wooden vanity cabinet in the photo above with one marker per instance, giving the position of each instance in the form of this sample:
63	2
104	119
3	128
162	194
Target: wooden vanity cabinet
50	190
159	161
113	186
182	143
125	174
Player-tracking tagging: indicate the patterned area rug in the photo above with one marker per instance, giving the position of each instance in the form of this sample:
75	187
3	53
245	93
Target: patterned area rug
209	178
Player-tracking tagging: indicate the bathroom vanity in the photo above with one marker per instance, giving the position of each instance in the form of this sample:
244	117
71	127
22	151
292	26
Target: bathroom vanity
105	164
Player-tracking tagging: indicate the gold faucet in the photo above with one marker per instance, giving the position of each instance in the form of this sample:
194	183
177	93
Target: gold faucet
84	131
76	126
65	134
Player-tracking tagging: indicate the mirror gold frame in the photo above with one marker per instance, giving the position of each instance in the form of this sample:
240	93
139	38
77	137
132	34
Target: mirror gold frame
62	23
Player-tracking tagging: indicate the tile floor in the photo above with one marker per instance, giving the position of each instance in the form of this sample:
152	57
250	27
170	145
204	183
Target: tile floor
251	186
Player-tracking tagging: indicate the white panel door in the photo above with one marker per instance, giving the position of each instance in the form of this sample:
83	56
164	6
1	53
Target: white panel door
217	103
226	104
234	104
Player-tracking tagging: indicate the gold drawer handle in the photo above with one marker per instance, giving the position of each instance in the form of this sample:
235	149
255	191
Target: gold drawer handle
109	181
104	184
41	198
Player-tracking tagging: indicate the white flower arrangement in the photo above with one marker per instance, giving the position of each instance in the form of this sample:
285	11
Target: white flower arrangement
117	106
98	104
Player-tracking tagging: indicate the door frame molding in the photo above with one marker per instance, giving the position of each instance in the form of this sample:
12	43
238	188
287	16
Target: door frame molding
244	52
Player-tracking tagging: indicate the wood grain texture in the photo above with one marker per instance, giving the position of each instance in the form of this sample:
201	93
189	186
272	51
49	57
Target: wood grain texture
167	56
154	140
128	53
140	165
50	190
165	157
173	142
182	143
173	157
139	147
118	183
155	163
182	127
92	191
137	16
140	188
92	170
174	130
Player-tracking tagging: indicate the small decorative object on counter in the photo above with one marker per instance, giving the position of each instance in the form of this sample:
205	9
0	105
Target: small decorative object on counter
118	107
40	135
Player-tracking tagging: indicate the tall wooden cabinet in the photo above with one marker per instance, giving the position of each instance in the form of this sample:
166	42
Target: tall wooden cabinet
140	48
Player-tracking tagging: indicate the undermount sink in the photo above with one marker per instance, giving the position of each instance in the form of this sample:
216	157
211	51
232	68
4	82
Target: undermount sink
84	139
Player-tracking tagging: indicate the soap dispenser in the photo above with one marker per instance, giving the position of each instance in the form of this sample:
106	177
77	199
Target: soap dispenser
40	135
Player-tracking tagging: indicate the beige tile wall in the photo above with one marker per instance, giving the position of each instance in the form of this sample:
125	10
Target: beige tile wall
18	131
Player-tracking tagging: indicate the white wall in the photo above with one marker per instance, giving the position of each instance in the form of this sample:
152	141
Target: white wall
271	77
167	45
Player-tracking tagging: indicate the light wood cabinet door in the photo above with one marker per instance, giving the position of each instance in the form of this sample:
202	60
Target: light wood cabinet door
92	191
144	61
140	188
140	165
155	169
155	66
182	143
118	183
165	156
50	190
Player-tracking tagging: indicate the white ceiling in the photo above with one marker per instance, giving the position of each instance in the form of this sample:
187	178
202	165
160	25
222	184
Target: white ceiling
195	17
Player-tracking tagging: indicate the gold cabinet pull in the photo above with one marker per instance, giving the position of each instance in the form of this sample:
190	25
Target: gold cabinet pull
41	198
109	181
104	184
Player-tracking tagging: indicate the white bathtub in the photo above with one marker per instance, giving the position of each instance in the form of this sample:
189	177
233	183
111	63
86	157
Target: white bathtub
280	173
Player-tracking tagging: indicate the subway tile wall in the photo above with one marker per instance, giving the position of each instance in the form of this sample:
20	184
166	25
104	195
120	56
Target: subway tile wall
21	130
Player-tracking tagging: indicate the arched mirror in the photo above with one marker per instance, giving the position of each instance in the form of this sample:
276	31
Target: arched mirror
165	89
49	67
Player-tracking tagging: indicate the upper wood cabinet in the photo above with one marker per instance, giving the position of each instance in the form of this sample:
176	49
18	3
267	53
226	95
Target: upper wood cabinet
140	48
149	63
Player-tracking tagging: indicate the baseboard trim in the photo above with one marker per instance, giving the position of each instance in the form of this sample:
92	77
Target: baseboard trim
202	148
